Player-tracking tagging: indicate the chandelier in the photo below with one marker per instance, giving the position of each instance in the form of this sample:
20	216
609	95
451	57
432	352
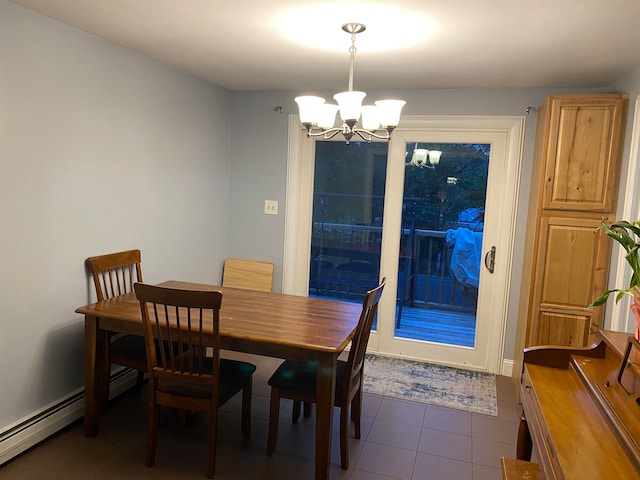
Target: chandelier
425	158
378	121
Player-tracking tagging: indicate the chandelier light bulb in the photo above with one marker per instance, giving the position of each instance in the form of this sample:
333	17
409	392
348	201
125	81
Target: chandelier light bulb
389	111
419	156
327	115
350	104
309	107
434	156
370	117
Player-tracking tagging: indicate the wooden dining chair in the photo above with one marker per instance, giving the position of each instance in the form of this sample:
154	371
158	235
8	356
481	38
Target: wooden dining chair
296	381
113	275
189	381
248	274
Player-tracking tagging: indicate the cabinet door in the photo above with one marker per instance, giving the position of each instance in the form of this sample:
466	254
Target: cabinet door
582	155
570	272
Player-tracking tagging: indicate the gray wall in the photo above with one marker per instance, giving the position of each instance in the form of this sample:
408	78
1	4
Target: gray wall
101	150
258	172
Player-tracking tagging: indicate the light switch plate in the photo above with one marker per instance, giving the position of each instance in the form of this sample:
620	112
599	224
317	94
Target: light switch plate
270	207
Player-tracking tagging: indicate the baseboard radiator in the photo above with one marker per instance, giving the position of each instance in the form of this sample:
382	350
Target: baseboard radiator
33	429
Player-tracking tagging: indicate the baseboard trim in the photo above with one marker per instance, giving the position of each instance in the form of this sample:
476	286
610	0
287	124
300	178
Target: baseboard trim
41	424
507	367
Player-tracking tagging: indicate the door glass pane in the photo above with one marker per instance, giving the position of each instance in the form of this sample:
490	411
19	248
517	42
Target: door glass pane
348	202
441	241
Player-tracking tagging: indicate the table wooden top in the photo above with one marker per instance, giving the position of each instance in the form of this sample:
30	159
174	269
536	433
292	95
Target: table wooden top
279	320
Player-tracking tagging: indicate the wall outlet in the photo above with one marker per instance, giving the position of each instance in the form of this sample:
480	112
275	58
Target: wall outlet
270	207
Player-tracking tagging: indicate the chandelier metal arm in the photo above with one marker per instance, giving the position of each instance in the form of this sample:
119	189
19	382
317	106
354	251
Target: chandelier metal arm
420	165
326	134
348	132
385	136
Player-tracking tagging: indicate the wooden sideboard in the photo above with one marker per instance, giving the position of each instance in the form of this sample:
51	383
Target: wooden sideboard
582	410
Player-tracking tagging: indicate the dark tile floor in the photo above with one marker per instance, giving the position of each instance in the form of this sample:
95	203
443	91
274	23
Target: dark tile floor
401	440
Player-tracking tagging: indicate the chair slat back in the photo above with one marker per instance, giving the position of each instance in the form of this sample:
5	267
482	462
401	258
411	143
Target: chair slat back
115	273
363	330
248	274
188	318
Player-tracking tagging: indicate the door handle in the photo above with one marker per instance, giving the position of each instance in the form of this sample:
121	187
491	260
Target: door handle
490	259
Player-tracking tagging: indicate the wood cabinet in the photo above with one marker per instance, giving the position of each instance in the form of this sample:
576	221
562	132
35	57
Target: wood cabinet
574	186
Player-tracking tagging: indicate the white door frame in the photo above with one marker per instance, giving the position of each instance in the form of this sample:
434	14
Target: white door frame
299	203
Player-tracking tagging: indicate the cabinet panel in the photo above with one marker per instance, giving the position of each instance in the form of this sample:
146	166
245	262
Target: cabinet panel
568	260
571	271
564	329
581	164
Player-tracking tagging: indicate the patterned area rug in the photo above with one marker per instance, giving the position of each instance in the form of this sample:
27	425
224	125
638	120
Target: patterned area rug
433	384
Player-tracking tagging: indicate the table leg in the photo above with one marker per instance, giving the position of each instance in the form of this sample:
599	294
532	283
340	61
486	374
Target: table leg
93	352
325	394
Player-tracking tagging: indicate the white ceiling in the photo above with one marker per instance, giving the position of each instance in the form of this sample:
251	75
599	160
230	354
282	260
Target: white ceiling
299	45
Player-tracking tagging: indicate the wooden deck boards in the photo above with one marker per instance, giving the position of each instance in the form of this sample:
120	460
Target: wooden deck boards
438	325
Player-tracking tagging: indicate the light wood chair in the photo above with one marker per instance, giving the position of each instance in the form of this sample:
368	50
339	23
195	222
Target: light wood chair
248	274
114	274
297	381
189	381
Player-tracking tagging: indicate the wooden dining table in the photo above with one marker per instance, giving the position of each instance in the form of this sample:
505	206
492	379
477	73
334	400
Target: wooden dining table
262	323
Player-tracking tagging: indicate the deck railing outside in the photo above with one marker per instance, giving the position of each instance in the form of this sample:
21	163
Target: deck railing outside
346	262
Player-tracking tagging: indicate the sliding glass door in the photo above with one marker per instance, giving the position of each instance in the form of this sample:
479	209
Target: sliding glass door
428	221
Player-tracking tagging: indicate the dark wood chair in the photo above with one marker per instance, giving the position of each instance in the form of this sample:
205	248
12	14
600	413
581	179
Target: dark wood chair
189	381
248	274
297	381
114	274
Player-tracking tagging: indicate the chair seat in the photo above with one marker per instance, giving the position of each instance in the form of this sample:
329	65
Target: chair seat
301	376
234	375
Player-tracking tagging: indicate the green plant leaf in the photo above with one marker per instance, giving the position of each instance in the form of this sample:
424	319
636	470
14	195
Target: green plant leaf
627	235
601	300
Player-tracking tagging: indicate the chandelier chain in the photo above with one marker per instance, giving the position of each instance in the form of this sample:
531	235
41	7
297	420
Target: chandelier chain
352	54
